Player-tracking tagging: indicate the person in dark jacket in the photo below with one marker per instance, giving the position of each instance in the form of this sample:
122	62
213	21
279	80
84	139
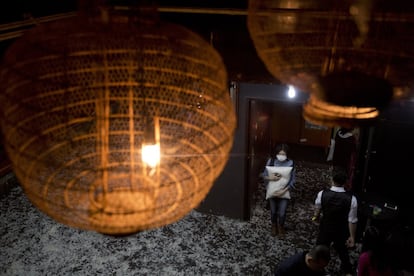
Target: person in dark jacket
306	263
345	154
338	221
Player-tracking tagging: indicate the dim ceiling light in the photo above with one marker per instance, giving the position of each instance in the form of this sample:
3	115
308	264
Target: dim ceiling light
114	123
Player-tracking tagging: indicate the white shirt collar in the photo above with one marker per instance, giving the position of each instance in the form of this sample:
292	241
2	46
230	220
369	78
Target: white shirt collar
337	189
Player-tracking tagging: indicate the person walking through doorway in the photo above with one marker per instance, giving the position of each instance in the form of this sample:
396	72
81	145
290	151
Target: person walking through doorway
278	204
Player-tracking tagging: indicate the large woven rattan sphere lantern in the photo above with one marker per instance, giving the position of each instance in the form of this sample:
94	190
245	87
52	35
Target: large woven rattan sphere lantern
336	50
83	97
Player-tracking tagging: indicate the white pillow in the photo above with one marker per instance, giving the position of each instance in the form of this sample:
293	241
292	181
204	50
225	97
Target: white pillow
274	187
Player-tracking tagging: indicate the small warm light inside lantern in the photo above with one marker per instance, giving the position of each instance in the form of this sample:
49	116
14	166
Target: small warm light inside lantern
151	152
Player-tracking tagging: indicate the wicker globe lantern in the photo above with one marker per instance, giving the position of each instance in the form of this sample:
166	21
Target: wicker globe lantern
81	97
309	43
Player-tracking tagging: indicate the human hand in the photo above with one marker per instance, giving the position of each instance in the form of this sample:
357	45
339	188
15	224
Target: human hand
350	243
276	177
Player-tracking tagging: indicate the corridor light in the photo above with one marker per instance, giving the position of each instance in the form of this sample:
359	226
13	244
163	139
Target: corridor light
291	92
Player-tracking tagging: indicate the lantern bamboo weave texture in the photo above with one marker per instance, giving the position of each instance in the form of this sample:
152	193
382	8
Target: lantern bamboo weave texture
77	95
301	42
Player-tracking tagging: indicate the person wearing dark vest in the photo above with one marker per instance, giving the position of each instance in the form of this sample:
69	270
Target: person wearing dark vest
336	211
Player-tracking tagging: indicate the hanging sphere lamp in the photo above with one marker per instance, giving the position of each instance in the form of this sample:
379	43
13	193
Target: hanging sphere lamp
336	50
115	124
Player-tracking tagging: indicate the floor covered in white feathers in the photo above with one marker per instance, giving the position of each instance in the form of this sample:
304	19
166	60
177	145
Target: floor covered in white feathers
31	243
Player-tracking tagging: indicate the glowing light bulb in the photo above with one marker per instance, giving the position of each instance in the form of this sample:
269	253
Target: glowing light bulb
151	154
291	92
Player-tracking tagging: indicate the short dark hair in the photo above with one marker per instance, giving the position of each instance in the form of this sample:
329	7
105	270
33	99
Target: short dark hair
283	147
320	252
339	177
345	129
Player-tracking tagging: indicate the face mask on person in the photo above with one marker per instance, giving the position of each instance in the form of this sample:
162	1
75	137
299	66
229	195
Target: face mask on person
281	157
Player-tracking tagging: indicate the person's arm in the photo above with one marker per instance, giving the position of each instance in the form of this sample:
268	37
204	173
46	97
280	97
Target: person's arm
318	207
292	180
352	222
316	214
274	177
352	230
267	177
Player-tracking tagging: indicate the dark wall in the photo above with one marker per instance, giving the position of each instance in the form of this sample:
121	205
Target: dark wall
229	35
226	31
390	166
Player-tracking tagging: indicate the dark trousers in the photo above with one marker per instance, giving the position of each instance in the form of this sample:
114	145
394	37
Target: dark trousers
339	244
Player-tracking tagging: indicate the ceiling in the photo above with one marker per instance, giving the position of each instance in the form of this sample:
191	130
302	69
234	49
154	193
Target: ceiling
15	10
221	22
